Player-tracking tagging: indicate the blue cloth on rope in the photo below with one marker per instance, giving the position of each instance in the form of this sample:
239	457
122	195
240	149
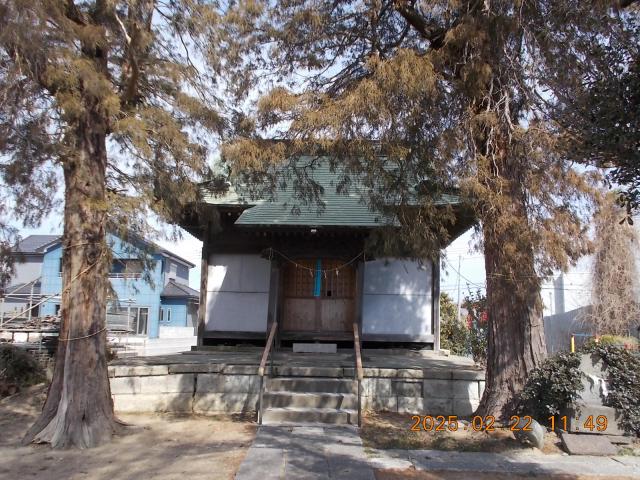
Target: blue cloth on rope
318	280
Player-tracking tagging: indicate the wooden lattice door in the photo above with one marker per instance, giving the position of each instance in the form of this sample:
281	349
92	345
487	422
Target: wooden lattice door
319	296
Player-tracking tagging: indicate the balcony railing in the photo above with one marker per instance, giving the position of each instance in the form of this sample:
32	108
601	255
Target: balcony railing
125	275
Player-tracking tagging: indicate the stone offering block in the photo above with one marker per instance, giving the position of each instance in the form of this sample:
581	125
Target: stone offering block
315	348
594	373
592	416
533	435
576	444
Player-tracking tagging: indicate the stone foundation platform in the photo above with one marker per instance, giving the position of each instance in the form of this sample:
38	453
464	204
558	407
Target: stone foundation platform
227	381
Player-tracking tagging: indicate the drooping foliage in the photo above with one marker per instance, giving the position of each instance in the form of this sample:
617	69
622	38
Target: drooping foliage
157	88
614	273
453	332
420	97
601	112
121	102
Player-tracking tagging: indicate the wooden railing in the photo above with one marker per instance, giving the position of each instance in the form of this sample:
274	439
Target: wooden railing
263	364
359	372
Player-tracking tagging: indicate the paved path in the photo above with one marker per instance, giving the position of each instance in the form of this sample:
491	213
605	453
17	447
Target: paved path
328	453
306	453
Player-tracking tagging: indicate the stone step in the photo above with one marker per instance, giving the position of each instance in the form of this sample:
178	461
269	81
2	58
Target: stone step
316	371
310	400
302	416
311	385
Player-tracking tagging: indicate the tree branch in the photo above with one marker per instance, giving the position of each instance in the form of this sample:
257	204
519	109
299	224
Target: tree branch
429	30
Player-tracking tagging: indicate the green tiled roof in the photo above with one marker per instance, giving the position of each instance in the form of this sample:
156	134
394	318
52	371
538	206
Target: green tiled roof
287	208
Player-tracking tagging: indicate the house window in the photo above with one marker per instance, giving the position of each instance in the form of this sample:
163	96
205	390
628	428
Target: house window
132	319
126	268
168	315
161	314
142	317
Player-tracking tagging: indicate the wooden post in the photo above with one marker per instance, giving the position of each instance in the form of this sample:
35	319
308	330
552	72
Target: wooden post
435	302
204	270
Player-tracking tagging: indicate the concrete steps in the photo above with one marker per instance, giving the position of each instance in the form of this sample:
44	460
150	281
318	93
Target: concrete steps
312	384
310	400
305	416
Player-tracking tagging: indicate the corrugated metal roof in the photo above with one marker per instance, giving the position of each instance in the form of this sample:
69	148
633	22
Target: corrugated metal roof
22	289
36	243
176	290
332	208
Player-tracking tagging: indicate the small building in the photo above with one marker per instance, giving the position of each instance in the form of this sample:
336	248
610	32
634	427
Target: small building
305	265
143	303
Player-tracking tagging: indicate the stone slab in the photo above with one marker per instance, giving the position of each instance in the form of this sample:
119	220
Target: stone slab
219	383
315	348
468	375
294	371
464	407
620	439
216	403
153	403
125	385
377	387
140	370
576	420
576	444
426	406
177	383
380	372
195	368
380	404
240	369
407	389
462	389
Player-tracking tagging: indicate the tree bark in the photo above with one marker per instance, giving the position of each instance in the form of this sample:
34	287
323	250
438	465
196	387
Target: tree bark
79	410
516	343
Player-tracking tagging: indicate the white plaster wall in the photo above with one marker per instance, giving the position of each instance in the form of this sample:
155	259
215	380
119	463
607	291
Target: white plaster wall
27	270
397	297
237	293
176	332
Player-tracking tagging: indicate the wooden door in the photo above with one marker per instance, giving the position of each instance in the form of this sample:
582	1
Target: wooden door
318	299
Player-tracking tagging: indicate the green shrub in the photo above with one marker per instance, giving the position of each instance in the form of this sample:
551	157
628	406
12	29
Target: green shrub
628	342
18	369
623	382
552	387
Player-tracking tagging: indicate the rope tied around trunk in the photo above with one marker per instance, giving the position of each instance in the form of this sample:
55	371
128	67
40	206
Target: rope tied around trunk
80	338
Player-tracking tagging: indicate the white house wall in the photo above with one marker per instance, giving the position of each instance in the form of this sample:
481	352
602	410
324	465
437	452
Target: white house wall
397	298
237	293
27	270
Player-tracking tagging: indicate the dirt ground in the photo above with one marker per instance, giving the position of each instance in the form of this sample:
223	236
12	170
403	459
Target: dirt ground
165	448
410	474
392	430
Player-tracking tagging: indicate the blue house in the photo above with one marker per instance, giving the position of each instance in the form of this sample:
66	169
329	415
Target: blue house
146	299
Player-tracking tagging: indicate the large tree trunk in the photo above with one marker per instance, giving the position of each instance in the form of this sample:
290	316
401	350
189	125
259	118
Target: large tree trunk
79	410
516	343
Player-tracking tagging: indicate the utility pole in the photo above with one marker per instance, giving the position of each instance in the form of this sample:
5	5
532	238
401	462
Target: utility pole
459	259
